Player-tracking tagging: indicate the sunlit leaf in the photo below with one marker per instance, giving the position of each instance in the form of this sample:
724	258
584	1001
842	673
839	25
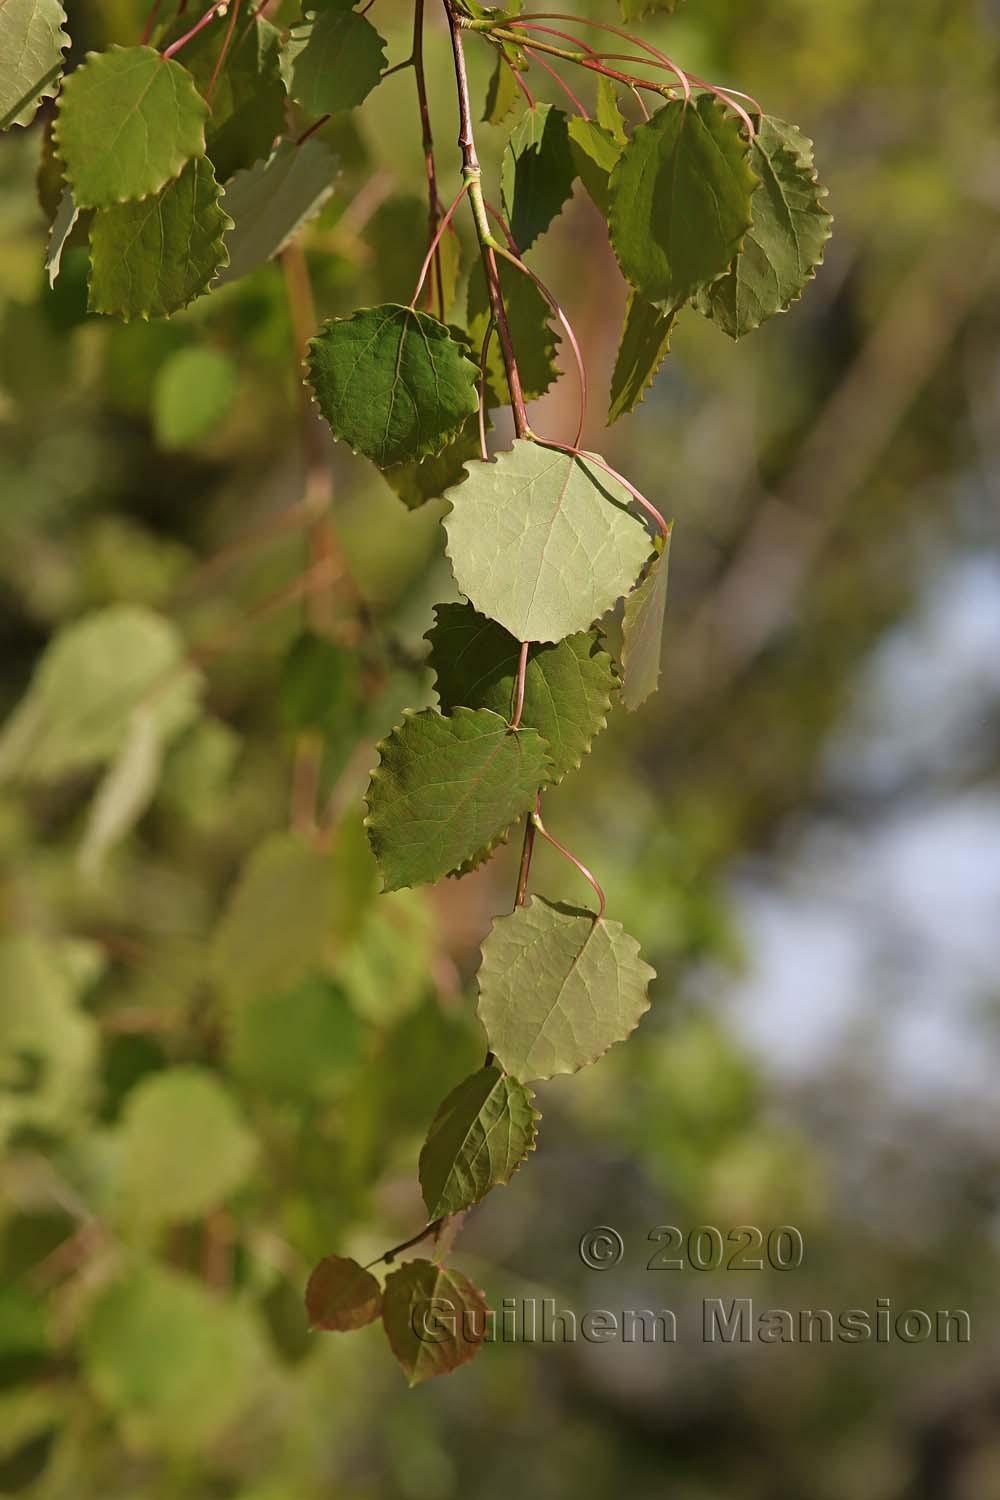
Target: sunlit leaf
477	1140
502	93
595	152
32	42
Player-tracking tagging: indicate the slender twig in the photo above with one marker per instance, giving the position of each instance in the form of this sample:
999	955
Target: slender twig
573	99
661	57
223	50
147	30
522	673
427	140
388	1256
209	15
316	125
432	251
591	458
524	870
536	820
472	175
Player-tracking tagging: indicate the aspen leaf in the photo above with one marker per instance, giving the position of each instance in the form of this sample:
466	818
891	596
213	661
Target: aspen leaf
642	631
502	93
477	1140
558	987
680	200
784	244
644	345
149	259
392	382
32	42
444	787
567	686
434	1318
333	60
426	479
270	201
595	153
543	541
341	1295
537	174
128	121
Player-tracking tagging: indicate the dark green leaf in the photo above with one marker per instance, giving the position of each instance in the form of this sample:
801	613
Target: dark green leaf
644	345
595	153
528	314
567	686
537	174
444	787
427	479
333	60
478	1139
247	100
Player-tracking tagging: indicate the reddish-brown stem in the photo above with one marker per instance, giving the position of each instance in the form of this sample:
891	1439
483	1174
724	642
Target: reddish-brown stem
587	874
181	41
484	452
573	99
227	41
432	251
436	290
584	62
390	1255
527	849
528	95
316	125
635	41
522	673
472	174
640	101
147	30
591	458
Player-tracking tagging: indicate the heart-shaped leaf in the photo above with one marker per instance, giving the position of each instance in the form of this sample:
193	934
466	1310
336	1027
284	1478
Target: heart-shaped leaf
434	1318
341	1295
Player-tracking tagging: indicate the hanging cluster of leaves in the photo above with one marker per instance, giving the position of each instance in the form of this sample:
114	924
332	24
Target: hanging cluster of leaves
190	157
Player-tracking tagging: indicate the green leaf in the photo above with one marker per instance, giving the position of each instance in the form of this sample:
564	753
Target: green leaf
320	685
645	343
634	10
342	1295
567	686
434	1318
392	382
681	200
558	987
333	60
77	712
271	201
302	1044
62	227
528	314
784	244
247	99
542	541
595	153
150	259
128	121
427	479
174	1364
192	395
444	787
32	42
537	173
642	631
477	1140
609	115
49	1046
384	966
185	1147
502	94
278	921
126	790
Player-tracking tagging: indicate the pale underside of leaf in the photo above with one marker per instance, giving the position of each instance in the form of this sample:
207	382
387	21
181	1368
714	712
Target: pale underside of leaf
445	787
558	987
434	1318
642	632
478	1139
270	201
32	42
62	227
543	541
128	121
567	688
393	383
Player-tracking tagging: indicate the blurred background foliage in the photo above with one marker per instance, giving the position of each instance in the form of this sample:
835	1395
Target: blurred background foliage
219	1050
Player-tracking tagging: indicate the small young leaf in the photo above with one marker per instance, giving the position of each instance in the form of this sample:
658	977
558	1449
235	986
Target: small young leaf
477	1140
185	1146
528	315
681	200
595	153
537	174
246	96
192	394
434	1318
567	687
784	244
502	93
542	541
444	787
333	60
341	1295
128	121
558	987
644	345
271	201
609	115
427	479
62	227
32	43
392	382
149	259
642	631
